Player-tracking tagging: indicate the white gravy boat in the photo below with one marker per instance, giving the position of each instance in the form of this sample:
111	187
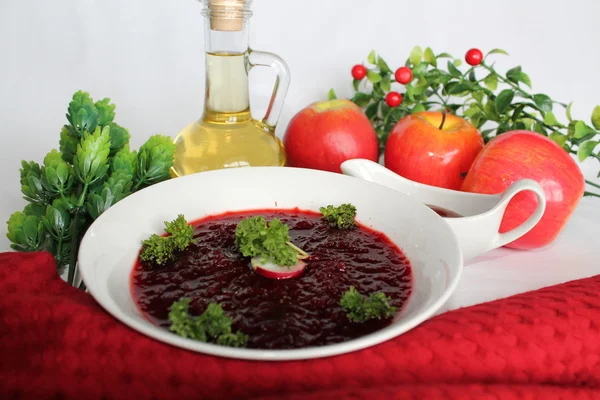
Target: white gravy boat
479	217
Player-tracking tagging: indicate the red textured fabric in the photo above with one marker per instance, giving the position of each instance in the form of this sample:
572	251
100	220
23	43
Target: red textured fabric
56	342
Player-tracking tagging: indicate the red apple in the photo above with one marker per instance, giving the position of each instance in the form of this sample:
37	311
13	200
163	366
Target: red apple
325	134
422	149
273	271
523	154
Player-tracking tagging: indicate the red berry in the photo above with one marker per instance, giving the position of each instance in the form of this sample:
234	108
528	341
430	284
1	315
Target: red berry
474	57
359	72
393	99
403	75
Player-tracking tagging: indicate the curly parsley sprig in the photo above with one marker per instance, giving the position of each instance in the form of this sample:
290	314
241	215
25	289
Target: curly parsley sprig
159	249
212	326
360	308
270	241
340	217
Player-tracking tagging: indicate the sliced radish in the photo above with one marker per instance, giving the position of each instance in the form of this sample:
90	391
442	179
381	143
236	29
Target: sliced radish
274	271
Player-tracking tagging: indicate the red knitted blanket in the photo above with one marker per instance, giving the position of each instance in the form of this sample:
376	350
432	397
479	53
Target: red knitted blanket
56	342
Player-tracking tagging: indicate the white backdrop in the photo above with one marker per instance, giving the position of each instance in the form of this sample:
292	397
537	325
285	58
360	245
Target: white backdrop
147	56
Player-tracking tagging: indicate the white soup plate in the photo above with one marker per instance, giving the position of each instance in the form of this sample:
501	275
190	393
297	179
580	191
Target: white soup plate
110	246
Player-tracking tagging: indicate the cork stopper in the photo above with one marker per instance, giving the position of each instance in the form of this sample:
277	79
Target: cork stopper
227	15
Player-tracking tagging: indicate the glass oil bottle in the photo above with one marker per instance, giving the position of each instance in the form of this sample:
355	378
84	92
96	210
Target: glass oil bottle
226	136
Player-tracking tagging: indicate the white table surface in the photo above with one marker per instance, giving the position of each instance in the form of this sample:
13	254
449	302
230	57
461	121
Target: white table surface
149	60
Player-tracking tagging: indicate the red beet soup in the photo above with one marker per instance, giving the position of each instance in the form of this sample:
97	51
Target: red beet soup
278	314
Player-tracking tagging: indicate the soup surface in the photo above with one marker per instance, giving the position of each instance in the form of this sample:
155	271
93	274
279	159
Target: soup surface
278	314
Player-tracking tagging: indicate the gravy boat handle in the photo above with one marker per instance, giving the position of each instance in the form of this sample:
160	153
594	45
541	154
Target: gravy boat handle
478	234
481	214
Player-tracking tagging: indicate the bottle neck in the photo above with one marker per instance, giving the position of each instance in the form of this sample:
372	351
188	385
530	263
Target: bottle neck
227	94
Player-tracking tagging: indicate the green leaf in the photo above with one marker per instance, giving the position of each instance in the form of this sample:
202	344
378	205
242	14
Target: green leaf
418	108
569	117
57	220
429	57
472	110
91	158
386	83
331	95
543	102
461	87
383	67
559	138
26	232
510	74
539	128
550	119
490	111
106	111
491	81
155	158
371	110
452	70
585	149
504	99
29	168
125	160
79	119
497	51
372	57
355	83
53	158
96	204
523	77
444	55
420	69
516	115
478	96
472	76
416	55
361	99
516	75
35	209
119	137
51	176
32	185
68	144
581	130
457	63
596	117
373	76
86	120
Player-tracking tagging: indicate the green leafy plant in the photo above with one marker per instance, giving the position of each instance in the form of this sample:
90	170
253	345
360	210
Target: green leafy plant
159	249
359	308
212	326
493	102
271	241
93	170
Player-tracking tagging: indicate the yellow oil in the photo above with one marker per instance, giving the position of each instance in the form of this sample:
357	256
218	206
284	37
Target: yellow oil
226	136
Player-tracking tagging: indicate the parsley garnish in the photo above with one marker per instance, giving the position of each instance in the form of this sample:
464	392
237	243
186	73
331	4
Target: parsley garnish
359	308
212	326
255	238
341	217
160	249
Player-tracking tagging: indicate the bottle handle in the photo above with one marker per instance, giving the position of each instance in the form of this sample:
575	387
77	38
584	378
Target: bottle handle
282	83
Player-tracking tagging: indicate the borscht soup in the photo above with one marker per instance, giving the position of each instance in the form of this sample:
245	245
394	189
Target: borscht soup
271	279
